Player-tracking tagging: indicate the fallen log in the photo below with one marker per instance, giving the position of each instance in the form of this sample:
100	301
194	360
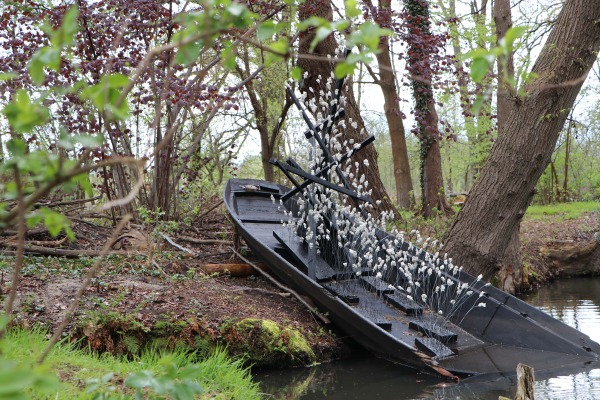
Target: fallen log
203	241
47	251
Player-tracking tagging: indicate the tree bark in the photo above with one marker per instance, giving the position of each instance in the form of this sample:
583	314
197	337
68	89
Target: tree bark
432	183
391	107
510	270
481	232
318	71
506	66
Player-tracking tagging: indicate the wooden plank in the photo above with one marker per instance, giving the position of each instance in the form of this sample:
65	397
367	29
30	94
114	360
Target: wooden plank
433	347
406	305
376	285
437	332
323	272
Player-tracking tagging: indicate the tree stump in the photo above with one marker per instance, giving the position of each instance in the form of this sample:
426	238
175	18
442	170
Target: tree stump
525	383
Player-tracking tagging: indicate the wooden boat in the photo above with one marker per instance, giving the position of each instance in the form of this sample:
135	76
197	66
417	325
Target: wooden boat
368	298
483	341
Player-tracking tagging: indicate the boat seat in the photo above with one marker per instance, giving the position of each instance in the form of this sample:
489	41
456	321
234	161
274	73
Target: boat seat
433	347
437	332
376	285
400	301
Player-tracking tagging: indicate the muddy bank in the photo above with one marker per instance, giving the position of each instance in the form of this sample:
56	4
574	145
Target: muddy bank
553	248
127	313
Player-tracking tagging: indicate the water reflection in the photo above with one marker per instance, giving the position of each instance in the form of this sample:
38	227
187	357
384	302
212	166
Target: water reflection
575	302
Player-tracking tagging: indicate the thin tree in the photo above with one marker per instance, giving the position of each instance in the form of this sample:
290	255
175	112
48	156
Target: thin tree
420	41
387	82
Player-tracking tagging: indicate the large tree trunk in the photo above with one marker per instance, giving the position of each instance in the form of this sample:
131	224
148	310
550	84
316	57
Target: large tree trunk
479	236
318	71
419	64
391	107
511	268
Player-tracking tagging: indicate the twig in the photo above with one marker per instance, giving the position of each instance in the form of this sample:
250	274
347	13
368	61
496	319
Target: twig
30	232
312	309
40	242
86	282
203	241
47	251
65	203
205	213
172	243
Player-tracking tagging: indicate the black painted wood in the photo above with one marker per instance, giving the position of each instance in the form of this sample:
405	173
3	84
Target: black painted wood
401	302
433	347
430	330
376	285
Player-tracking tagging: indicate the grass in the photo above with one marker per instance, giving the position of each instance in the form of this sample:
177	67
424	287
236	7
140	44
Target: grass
219	376
563	211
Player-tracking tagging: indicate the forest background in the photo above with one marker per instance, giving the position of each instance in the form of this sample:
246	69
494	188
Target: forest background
145	108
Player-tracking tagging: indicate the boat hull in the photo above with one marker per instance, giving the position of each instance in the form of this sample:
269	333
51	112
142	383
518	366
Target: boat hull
485	342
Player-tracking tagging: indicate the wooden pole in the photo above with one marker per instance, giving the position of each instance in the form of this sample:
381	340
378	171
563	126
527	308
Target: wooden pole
525	383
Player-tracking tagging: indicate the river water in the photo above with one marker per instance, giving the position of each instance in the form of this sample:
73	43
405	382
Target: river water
575	302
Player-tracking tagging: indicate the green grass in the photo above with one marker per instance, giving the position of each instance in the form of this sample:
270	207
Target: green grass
219	376
563	211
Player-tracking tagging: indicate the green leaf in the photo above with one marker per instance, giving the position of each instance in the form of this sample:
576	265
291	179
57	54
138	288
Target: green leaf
23	114
344	69
267	29
352	8
513	34
477	104
296	73
106	94
7	76
69	142
56	223
479	68
16	147
64	36
45	57
140	380
368	34
320	34
281	46
228	56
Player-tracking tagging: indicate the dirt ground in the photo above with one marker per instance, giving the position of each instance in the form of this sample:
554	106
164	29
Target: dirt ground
166	300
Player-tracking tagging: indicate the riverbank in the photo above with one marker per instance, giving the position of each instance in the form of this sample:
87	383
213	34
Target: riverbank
158	297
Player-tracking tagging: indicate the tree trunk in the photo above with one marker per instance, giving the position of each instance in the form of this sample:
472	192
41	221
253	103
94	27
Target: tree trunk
481	232
506	67
510	270
391	107
318	71
432	183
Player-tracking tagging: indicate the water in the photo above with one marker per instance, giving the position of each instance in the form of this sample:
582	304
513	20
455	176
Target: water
575	302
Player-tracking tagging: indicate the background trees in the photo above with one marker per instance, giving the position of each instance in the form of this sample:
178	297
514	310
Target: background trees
149	84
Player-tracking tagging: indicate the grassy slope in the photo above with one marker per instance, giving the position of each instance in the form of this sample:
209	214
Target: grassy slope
219	376
562	211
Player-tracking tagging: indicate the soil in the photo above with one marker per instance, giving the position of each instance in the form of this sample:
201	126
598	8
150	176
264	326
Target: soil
165	300
554	248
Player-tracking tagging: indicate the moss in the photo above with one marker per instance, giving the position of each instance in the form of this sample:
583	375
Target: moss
264	342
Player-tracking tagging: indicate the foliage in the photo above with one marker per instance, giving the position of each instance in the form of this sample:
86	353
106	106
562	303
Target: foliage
109	377
563	211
